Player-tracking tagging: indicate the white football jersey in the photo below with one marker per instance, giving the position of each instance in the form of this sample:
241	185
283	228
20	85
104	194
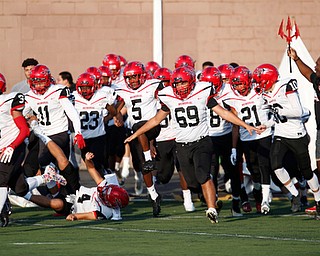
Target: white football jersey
141	104
287	124
217	125
91	112
189	115
49	110
252	109
8	129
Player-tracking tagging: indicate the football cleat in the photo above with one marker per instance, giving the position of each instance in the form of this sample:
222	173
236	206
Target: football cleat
246	206
295	204
235	210
311	210
212	215
258	207
265	208
156	208
51	174
5	213
219	205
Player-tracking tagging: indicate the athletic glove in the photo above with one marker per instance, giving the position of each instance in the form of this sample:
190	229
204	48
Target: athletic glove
233	156
6	154
79	140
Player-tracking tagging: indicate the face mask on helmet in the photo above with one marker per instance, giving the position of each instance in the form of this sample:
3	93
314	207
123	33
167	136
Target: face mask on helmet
113	196
134	74
40	79
213	76
265	76
85	85
240	80
3	83
106	75
182	82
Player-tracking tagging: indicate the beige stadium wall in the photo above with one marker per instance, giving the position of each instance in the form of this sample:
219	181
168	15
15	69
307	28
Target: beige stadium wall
75	34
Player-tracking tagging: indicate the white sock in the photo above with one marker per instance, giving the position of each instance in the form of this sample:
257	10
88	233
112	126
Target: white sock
282	175
147	155
3	196
292	189
314	186
125	162
187	196
34	182
265	192
313	183
117	166
152	192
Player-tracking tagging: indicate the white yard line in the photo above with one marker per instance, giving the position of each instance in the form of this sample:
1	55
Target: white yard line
242	236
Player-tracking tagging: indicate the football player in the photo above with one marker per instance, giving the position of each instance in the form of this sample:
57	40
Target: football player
94	107
51	105
166	158
139	98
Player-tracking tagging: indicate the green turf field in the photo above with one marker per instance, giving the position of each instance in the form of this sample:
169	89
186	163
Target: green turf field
34	231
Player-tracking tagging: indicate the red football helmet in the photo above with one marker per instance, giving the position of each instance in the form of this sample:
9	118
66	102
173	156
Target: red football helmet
134	74
265	76
123	61
184	60
3	83
163	74
86	85
106	75
97	74
40	79
152	66
225	70
213	76
113	196
182	81
241	79
112	61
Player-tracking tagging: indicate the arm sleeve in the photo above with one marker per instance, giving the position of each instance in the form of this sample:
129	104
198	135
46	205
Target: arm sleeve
72	113
22	125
